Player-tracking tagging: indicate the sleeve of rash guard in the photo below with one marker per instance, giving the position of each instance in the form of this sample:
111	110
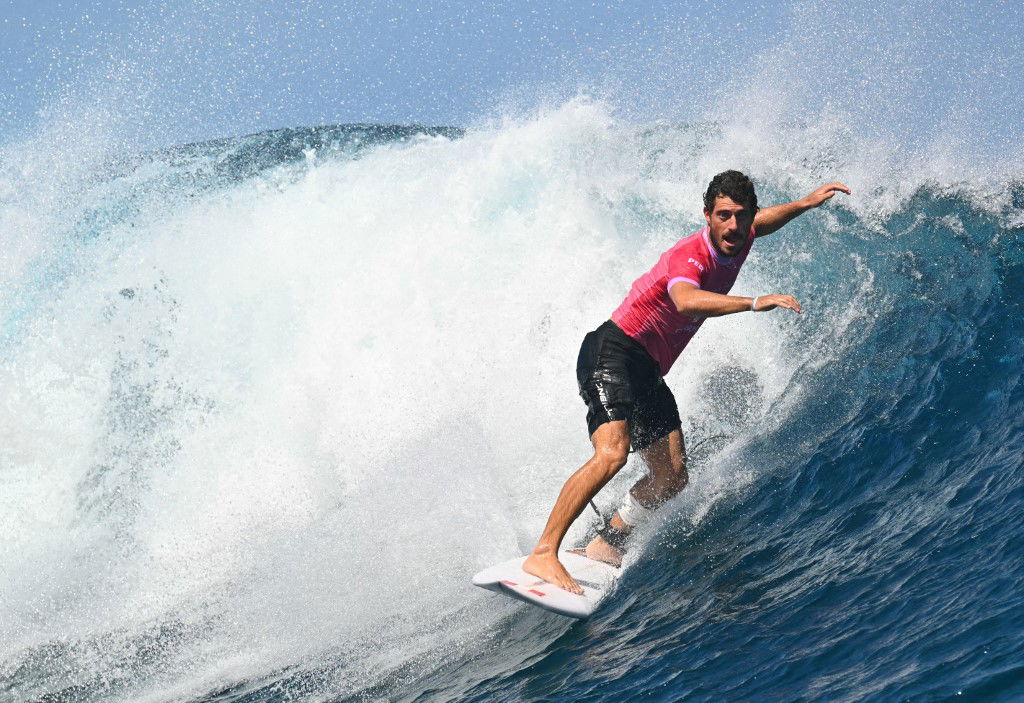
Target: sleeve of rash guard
682	267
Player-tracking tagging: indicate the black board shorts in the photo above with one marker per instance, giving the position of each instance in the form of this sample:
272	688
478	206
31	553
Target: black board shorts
619	380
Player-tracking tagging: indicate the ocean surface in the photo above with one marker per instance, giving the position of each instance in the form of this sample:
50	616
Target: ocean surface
268	402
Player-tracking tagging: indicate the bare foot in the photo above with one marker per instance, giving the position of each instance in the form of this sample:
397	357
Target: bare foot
600	550
547	567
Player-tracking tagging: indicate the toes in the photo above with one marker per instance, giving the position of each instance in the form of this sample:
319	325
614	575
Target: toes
566	583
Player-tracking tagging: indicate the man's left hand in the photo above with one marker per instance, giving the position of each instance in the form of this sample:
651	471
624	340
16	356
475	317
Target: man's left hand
824	193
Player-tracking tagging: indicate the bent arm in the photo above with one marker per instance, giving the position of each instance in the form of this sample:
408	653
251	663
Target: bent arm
694	302
770	219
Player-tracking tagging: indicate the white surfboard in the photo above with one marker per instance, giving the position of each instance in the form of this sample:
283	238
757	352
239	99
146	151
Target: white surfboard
596	577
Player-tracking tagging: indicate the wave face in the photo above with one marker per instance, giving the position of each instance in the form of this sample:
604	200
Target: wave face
270	401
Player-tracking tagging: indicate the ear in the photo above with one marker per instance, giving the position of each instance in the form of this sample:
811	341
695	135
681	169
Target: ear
707	216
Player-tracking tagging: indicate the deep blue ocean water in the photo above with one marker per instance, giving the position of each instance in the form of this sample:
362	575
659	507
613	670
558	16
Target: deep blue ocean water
270	401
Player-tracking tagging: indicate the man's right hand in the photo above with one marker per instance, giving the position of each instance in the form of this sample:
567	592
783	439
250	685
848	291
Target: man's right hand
777	300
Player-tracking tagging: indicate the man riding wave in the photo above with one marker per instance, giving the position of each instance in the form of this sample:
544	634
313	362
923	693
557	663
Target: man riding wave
623	362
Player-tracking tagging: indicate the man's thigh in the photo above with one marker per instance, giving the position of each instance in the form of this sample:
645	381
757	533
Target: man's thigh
667	455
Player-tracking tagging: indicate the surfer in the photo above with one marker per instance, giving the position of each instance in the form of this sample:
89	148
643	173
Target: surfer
623	362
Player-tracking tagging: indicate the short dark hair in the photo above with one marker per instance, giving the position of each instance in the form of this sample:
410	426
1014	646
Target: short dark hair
733	185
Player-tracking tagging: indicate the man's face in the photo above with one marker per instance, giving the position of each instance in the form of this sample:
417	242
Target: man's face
729	225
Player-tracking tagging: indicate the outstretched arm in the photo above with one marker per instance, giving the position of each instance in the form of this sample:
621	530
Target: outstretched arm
694	302
775	217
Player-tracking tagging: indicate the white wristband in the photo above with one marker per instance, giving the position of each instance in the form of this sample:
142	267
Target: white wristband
753	305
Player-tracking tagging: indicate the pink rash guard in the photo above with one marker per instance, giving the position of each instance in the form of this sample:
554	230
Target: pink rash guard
648	314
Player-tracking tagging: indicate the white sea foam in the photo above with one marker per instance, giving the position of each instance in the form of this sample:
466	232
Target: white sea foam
257	427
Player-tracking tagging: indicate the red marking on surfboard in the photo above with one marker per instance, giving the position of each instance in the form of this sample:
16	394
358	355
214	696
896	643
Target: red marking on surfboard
536	592
510	583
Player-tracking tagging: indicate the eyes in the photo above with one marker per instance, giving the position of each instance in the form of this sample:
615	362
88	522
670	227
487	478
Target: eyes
726	215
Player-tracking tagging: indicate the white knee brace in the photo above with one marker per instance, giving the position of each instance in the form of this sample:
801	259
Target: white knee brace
632	513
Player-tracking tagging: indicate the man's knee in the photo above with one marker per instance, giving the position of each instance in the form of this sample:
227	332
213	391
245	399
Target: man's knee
679	481
677	475
611	456
611	446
